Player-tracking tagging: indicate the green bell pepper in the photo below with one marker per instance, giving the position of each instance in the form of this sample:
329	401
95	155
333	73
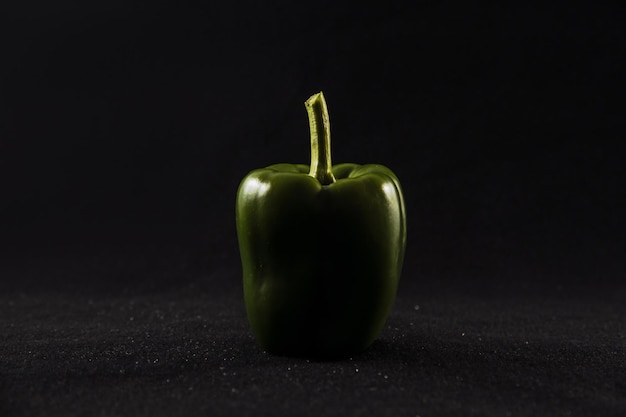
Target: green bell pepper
321	248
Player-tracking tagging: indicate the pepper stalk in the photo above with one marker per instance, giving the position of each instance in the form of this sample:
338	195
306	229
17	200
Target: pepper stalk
319	125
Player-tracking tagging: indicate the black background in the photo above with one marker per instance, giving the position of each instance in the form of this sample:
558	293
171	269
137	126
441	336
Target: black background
125	130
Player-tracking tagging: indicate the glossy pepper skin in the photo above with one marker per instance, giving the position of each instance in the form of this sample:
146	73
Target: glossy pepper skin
322	250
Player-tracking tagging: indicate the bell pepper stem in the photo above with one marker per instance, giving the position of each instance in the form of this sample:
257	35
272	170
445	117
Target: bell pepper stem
319	124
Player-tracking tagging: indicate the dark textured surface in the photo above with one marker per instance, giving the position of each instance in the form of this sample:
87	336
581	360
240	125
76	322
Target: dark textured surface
126	128
186	349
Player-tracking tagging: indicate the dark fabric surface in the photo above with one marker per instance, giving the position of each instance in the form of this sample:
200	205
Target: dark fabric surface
179	344
125	129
